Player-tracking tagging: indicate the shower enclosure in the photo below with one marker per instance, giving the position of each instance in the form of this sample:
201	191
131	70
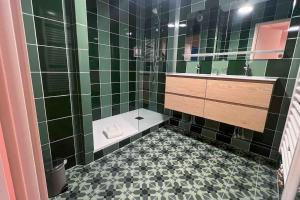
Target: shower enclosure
127	69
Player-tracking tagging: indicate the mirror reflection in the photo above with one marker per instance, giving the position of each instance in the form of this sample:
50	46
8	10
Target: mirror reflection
238	29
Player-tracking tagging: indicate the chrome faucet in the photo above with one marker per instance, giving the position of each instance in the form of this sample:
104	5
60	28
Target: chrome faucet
247	69
198	68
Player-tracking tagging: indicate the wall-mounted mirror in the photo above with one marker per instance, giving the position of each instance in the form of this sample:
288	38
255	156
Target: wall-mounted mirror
239	29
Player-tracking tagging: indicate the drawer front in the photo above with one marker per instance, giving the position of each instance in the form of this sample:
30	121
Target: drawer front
242	116
189	105
187	86
241	92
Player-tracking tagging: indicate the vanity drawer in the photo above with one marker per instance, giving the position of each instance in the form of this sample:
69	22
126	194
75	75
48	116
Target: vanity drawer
241	92
189	105
187	86
242	116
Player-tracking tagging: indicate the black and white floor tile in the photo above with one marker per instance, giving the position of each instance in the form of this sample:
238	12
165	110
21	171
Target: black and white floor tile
166	164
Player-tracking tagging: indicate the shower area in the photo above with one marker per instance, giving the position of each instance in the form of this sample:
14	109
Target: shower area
127	70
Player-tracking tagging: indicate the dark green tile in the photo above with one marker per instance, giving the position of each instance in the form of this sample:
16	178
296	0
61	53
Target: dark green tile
88	143
92	20
93	50
285	106
115	76
279	87
96	102
278	68
53	59
57	107
115	88
47	158
93	35
50	33
94	63
63	148
95	89
55	84
205	67
60	129
236	67
48	9
87	124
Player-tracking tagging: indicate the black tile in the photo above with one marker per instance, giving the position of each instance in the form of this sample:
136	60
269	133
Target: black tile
279	87
95	102
132	96
177	115
259	149
94	76
132	86
223	138
124	142
115	99
57	107
115	76
55	84
278	68
50	33
199	121
115	88
289	48
174	121
196	129
93	35
49	9
272	120
63	148
205	67
226	129
98	155
265	138
275	104
60	129
53	59
146	132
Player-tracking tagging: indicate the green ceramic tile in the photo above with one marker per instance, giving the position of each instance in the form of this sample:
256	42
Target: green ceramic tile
236	67
58	107
87	124
191	67
85	83
40	110
83	58
33	58
208	133
43	133
258	68
105	89
48	9
80	11
106	112
47	158
294	68
104	37
37	85
104	52
52	59
219	67
103	23
104	63
29	29
60	129
44	32
103	9
26	6
105	77
86	104
63	148
105	100
82	37
290	87
55	84
88	143
278	68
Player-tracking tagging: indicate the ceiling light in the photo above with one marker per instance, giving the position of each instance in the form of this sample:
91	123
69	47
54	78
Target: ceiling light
246	9
182	25
294	28
171	25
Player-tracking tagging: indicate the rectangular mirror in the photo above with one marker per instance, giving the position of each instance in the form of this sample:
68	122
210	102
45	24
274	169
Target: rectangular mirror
238	29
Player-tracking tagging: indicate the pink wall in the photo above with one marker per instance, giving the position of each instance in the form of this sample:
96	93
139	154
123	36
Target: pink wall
270	36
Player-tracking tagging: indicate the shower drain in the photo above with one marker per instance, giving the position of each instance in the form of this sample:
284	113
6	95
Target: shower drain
139	118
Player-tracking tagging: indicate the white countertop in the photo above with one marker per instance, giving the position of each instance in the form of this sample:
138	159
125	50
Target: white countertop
221	76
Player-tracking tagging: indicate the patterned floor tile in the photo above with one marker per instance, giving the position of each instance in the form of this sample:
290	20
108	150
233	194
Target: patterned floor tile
166	164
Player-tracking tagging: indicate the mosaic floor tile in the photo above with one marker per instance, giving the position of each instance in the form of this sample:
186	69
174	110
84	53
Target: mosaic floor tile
166	164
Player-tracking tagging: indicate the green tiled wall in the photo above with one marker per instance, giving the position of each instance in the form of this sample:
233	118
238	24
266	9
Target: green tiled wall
113	33
171	60
57	45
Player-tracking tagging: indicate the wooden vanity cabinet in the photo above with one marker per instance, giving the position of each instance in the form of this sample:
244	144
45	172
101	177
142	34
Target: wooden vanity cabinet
243	103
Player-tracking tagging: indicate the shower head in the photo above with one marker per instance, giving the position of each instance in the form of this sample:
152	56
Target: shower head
154	11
